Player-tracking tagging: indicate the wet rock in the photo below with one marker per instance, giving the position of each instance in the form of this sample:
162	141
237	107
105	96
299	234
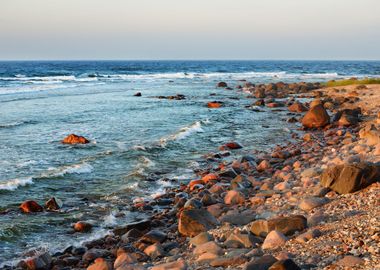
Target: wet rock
201	238
139	225
259	102
316	117
75	139
210	177
349	178
176	97
177	265
194	221
274	239
82	226
209	247
123	260
100	264
138	94
193	203
53	204
94	253
154	236
39	262
287	264
350	261
233	145
286	225
154	251
228	173
297	107
222	84
310	203
262	263
234	197
30	207
215	104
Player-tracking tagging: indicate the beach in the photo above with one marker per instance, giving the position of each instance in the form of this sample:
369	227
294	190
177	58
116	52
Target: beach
240	182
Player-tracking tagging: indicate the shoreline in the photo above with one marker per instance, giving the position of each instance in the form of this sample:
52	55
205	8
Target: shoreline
230	196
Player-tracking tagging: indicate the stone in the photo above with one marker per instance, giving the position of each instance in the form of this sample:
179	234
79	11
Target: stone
310	203
39	262
177	265
138	94
316	117
82	226
91	254
287	225
53	204
264	165
75	139
234	197
371	134
262	263
240	240
207	257
237	218
287	264
154	251
31	207
222	84
201	238
194	221
274	240
154	236
123	260
214	104
348	178
297	107
139	225
210	177
209	247
233	145
228	261
100	264
307	236
350	261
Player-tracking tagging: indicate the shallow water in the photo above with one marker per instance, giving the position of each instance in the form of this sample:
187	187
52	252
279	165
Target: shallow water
133	139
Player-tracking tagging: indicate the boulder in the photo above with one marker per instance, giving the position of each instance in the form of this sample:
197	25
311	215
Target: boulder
100	264
316	117
274	239
209	247
53	204
30	207
82	226
297	107
194	221
75	139
201	238
123	260
348	178
39	262
139	225
287	225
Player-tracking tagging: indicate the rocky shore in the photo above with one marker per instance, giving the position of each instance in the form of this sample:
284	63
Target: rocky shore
309	203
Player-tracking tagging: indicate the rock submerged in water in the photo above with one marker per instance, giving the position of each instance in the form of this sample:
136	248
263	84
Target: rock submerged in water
194	221
316	117
53	204
348	178
82	226
75	139
215	104
31	207
222	84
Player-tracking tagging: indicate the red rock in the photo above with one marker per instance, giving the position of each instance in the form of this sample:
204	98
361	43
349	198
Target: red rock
53	204
31	207
297	107
82	226
233	145
210	177
316	117
193	183
75	139
40	262
274	105
264	165
100	264
214	104
234	197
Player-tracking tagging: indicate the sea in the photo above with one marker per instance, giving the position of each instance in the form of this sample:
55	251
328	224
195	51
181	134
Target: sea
139	145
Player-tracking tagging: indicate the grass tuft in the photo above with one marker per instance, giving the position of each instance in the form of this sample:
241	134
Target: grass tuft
352	81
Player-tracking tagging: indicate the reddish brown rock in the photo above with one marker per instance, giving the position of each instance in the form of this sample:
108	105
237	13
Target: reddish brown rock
297	107
234	197
233	145
53	204
286	225
40	262
100	264
316	117
222	84
30	207
214	104
194	221
75	139
82	226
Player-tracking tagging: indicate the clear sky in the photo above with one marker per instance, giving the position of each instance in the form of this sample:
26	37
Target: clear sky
190	29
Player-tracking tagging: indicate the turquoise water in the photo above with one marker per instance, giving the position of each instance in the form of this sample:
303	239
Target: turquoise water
139	145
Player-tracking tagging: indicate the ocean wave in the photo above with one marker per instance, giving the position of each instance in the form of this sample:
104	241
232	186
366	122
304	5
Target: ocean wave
182	133
13	184
70	169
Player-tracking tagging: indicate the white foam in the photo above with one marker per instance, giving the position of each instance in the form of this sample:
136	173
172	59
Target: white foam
110	219
71	169
13	184
182	133
146	162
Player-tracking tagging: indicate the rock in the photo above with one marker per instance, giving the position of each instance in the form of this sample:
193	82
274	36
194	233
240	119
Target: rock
286	225
297	107
123	260
239	240
262	263
200	239
347	120
348	178
53	204
193	203
287	264
210	177
315	102
259	102
316	117
139	225
371	134
209	247
228	173
138	94
75	139
237	218
274	239
233	145
82	226
176	97
194	221
307	236
234	197
91	254
207	257
154	236
350	261
30	207
100	264
228	261
310	203
264	165
177	265
222	84
215	104
39	262
154	251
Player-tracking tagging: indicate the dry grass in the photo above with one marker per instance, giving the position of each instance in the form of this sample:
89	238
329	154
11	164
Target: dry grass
352	81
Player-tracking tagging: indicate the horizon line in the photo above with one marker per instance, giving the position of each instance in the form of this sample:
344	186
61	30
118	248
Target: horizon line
184	59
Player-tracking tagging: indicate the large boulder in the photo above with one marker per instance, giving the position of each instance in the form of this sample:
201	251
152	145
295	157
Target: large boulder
194	221
348	178
316	117
75	139
286	225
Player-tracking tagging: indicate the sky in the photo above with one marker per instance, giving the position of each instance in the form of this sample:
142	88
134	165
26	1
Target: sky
193	29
